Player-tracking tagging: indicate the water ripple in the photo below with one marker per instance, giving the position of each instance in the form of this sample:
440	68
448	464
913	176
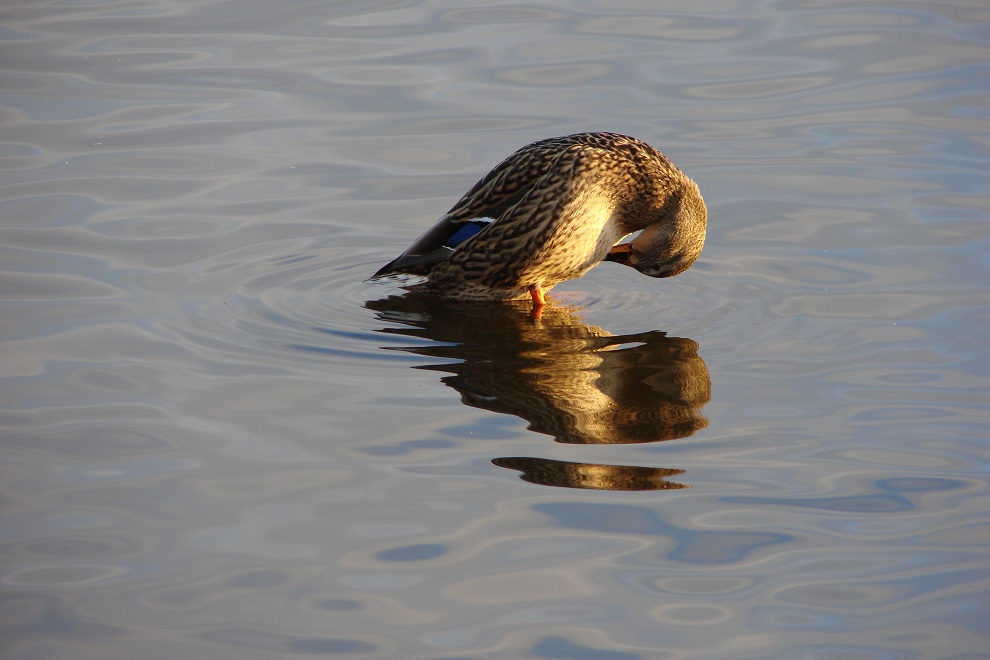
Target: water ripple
219	439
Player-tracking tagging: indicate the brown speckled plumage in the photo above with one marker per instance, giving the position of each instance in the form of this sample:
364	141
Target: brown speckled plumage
559	206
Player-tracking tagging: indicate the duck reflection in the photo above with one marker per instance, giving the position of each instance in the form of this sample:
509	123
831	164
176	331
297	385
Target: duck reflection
547	472
575	382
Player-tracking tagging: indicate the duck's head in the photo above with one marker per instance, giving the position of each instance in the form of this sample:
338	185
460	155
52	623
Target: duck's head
672	241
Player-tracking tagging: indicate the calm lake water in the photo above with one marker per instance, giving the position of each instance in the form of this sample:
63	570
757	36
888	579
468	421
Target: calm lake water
220	441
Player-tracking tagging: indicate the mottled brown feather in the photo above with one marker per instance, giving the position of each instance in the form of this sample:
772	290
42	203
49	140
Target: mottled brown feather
559	206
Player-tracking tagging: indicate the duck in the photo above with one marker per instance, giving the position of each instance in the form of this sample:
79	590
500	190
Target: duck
553	210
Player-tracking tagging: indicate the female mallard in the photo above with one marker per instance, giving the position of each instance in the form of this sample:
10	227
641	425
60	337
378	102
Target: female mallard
551	211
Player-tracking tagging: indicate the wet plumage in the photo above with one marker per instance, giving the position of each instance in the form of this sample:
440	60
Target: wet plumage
557	208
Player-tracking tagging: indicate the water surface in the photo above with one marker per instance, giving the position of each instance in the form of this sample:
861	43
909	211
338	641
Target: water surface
220	441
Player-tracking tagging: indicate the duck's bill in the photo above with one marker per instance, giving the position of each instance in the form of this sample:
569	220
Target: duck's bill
619	253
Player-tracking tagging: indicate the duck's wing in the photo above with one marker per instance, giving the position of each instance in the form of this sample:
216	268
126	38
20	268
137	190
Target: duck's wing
434	246
500	189
511	179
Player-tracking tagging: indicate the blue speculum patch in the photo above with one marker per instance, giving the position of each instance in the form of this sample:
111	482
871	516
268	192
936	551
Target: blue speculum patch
468	230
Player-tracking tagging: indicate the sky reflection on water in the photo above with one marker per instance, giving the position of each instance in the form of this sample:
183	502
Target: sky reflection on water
219	441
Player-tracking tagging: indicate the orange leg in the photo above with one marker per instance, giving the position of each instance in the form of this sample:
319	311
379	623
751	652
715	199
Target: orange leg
537	294
538	302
